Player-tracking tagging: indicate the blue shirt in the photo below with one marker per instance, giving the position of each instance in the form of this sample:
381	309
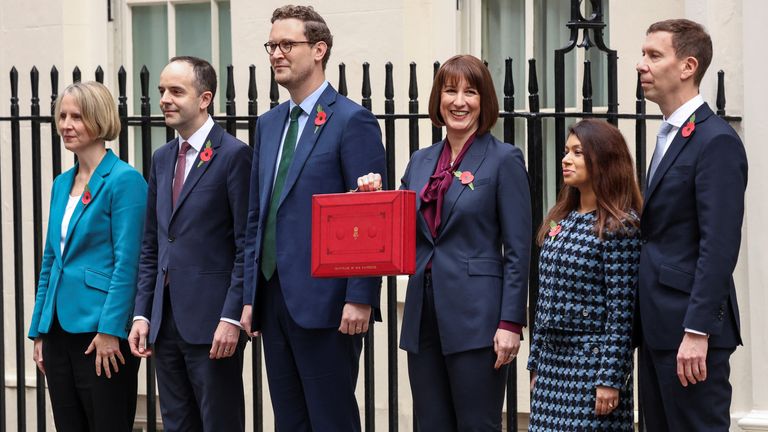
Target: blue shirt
306	106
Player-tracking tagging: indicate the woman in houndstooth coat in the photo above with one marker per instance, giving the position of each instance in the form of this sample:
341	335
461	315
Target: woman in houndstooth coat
581	353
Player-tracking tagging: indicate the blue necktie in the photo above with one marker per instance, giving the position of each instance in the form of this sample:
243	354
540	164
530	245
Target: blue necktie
658	152
269	250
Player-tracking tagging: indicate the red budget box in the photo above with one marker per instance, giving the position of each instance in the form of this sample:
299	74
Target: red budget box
363	234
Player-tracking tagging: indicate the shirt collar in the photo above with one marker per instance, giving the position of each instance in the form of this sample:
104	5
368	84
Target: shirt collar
198	138
682	114
310	101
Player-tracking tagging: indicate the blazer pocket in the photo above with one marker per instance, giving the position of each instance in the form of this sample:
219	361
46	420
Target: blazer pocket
481	182
207	186
675	278
215	272
484	267
97	279
679	170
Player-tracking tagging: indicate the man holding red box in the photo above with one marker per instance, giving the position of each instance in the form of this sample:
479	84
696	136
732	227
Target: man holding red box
318	142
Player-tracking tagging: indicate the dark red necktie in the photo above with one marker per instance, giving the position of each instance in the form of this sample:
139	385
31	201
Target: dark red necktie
181	166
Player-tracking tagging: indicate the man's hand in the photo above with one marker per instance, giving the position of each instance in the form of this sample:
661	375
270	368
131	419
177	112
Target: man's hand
692	359
246	321
506	344
533	379
37	355
355	318
225	340
137	339
107	348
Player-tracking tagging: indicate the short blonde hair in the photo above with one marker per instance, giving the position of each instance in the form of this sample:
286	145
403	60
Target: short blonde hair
97	108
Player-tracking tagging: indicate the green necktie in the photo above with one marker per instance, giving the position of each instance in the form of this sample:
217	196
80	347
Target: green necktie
269	251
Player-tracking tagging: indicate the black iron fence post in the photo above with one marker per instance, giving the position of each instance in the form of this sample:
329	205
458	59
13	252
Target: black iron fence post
231	109
37	223
413	109
55	140
389	132
509	137
18	253
640	134
437	132
122	112
536	176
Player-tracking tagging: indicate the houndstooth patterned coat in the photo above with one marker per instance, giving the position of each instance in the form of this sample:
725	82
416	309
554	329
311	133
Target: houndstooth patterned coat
583	327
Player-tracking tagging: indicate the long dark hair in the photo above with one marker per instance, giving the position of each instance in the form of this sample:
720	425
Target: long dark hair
612	174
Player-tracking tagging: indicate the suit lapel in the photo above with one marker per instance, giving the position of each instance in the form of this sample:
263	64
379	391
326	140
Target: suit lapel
95	185
677	145
471	162
309	138
199	167
270	139
421	176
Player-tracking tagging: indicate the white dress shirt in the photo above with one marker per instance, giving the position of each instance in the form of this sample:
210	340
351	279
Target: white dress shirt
71	204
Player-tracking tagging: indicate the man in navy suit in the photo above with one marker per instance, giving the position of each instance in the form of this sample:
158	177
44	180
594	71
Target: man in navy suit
318	142
688	318
190	289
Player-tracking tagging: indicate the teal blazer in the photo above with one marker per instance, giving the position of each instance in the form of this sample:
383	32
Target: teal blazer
91	286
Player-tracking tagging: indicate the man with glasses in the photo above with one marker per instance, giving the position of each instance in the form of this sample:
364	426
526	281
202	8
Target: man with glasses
318	142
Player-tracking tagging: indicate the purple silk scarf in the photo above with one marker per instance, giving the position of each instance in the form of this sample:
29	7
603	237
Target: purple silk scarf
433	192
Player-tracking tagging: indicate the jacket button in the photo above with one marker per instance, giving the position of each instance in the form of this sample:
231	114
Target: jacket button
171	239
165	270
596	350
585	313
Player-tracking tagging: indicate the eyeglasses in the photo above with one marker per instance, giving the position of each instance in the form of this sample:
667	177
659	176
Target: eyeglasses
285	46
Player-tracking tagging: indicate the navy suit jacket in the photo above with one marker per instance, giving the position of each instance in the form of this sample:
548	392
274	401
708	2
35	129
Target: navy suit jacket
91	285
481	255
328	159
691	233
199	244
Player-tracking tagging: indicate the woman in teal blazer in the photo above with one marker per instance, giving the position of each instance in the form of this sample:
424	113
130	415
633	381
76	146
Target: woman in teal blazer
88	277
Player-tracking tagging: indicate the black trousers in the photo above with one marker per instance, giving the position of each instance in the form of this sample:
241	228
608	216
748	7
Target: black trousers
454	392
196	393
82	401
670	407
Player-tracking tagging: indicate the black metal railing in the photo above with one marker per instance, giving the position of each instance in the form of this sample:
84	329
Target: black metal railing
533	119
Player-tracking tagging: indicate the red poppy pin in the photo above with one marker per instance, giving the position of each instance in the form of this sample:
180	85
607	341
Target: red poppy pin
206	154
554	229
466	178
690	126
320	118
86	195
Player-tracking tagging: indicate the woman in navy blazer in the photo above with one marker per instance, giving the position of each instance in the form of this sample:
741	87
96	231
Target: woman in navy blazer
466	303
88	275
